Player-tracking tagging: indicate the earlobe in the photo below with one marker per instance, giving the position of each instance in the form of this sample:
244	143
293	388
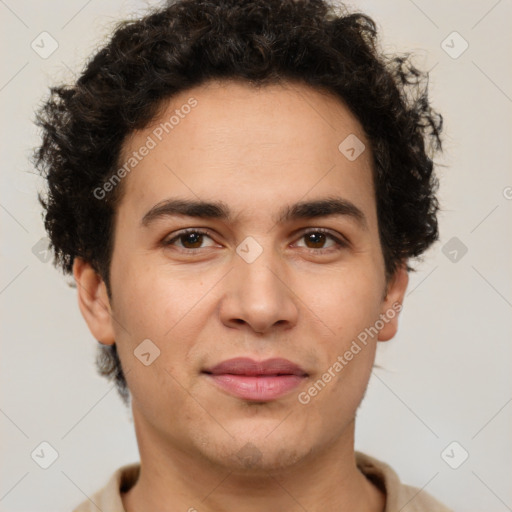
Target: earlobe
93	301
392	304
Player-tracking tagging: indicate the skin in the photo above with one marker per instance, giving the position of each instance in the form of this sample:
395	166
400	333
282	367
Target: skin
256	150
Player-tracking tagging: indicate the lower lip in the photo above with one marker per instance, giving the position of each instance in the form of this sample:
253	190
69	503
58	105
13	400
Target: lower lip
259	388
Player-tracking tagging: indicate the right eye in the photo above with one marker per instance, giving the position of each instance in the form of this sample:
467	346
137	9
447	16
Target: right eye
189	239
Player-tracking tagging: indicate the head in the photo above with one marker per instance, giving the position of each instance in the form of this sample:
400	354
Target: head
299	160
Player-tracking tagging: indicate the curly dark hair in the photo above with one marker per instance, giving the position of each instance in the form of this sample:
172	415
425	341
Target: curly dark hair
188	42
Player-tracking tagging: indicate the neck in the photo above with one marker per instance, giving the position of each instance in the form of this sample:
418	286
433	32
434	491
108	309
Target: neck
171	479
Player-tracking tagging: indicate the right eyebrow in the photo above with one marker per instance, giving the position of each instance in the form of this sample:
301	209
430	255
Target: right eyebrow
200	209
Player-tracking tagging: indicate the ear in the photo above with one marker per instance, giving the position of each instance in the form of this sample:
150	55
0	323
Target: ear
392	303
93	301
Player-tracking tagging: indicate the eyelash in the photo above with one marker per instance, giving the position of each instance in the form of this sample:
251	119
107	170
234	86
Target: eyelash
340	243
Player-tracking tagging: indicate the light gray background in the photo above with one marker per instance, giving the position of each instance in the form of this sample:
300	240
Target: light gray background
447	373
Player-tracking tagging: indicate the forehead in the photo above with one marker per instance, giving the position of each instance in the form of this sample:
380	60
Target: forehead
217	111
226	137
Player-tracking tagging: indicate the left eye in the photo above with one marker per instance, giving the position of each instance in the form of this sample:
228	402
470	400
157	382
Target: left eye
193	239
318	238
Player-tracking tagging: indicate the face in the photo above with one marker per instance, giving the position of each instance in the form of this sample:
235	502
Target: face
252	297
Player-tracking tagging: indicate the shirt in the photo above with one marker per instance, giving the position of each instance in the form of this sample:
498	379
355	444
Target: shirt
399	497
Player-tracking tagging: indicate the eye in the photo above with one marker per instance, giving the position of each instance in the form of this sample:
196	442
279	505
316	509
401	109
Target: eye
189	239
316	238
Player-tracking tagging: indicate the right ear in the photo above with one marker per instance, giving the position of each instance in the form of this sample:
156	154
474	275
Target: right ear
94	302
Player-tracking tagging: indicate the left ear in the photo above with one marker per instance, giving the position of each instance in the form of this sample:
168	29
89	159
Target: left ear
392	304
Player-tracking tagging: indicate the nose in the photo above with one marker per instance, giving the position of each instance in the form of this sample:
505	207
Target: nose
259	296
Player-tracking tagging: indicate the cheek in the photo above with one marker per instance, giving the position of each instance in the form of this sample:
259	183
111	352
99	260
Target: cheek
347	301
152	300
151	306
348	307
159	304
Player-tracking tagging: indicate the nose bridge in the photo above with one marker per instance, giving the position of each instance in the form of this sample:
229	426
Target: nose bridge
256	270
257	273
256	292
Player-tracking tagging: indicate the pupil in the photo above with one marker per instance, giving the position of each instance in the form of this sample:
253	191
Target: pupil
317	238
193	239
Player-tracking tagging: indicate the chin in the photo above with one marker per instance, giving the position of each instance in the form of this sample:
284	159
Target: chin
257	454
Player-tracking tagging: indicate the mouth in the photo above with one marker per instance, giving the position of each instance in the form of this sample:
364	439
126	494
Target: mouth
260	381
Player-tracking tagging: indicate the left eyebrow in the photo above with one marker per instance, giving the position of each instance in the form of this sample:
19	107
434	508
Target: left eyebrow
334	206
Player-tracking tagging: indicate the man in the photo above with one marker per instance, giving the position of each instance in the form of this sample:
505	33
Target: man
237	188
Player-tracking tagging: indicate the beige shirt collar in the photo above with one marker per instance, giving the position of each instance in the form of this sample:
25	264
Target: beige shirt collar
399	497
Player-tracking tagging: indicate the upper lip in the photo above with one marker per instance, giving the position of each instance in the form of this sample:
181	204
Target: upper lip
250	367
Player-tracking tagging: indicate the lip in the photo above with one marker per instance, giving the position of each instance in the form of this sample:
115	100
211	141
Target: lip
261	381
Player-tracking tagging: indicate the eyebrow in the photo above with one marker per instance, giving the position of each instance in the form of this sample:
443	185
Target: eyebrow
330	206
